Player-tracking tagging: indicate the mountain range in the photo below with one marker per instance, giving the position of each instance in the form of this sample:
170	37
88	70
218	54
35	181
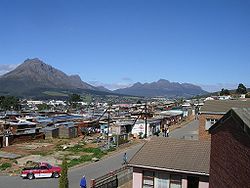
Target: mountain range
162	88
34	76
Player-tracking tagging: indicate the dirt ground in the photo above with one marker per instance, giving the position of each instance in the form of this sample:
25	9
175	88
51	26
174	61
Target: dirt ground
39	150
49	150
40	146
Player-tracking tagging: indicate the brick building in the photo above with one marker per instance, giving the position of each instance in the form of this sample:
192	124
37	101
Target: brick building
213	110
230	150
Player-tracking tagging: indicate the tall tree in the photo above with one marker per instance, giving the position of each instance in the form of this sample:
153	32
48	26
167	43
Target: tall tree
241	89
42	107
74	99
9	103
224	92
64	181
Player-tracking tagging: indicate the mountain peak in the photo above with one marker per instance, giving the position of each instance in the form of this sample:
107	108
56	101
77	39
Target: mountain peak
33	61
163	80
34	73
138	84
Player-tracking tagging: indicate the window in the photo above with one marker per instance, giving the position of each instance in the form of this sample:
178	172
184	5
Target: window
49	166
209	123
161	180
44	168
175	181
148	179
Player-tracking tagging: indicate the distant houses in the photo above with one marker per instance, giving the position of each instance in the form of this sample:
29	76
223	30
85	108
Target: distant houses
54	119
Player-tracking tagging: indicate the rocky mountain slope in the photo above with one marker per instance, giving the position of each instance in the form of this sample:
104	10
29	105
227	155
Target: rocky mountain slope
35	74
162	88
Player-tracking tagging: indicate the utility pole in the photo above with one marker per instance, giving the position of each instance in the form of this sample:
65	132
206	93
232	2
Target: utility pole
108	126
146	120
117	140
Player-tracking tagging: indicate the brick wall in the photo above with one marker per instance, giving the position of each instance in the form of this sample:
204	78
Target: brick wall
230	156
203	133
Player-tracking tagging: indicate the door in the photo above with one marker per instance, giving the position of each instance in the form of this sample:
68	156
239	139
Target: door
193	182
45	172
36	172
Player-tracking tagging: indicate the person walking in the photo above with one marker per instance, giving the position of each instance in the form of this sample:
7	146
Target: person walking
125	158
83	182
167	132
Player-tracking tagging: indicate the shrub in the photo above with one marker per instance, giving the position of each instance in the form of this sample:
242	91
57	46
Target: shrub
4	166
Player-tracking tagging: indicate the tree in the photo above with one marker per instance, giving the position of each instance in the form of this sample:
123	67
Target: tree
73	99
138	102
224	92
42	107
64	181
9	103
241	89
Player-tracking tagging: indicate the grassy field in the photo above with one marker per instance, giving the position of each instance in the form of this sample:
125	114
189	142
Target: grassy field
55	93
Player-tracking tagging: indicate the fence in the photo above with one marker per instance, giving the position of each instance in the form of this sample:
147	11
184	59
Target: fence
114	179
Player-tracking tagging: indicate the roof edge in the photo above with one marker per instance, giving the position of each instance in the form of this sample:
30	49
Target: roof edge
209	112
220	121
170	170
231	113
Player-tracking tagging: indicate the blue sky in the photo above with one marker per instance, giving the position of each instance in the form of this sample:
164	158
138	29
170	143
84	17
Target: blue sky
119	42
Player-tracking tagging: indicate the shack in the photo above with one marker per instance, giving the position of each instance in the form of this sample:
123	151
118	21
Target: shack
67	131
51	132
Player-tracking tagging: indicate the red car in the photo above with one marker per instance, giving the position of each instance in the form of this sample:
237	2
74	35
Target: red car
42	170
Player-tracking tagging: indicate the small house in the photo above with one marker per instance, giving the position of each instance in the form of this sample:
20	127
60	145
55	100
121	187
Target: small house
67	131
51	132
165	162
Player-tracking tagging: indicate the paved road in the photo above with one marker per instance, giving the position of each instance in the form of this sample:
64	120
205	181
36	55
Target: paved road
189	131
94	170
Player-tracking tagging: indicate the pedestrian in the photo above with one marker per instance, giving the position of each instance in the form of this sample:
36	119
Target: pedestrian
157	132
83	182
125	158
167	132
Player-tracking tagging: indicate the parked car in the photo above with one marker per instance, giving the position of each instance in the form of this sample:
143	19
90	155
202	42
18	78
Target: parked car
41	170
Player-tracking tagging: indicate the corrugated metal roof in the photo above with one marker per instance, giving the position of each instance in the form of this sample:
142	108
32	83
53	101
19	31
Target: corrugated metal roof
191	156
